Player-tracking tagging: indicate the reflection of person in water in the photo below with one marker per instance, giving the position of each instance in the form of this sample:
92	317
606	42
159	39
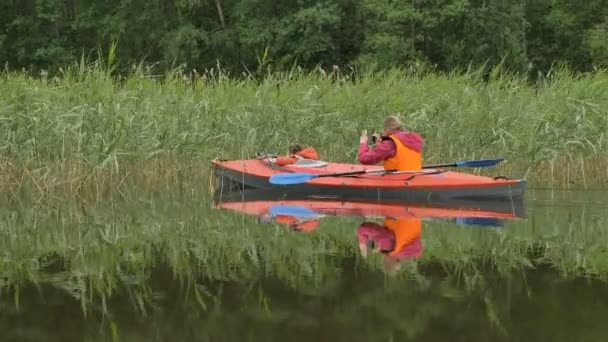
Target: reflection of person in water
397	239
301	224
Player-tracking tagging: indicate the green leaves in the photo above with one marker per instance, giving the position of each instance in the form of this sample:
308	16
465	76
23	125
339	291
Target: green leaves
523	36
597	42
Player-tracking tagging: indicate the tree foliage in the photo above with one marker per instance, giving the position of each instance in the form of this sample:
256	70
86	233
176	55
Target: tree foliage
245	35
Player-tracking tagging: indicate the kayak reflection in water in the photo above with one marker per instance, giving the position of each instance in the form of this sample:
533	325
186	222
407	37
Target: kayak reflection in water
396	238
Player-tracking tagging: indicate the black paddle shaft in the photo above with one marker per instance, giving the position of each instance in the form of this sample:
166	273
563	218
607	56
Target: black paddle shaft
349	173
434	166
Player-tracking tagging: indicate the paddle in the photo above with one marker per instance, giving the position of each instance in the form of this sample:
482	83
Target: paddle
467	163
292	210
303	177
480	221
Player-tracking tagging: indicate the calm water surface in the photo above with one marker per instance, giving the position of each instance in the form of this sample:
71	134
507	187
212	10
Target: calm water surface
159	268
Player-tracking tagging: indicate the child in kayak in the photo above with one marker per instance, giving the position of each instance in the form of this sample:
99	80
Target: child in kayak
297	152
297	224
300	224
397	148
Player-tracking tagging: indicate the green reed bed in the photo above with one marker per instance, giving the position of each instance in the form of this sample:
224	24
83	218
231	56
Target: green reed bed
105	244
553	132
92	249
89	182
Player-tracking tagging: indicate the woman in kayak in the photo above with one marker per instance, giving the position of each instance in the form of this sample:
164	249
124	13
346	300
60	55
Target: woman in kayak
297	152
397	148
397	238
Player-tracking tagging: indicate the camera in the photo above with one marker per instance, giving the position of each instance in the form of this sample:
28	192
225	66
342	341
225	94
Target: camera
376	138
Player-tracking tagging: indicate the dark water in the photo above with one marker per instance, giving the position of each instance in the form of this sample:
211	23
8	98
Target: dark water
536	278
359	307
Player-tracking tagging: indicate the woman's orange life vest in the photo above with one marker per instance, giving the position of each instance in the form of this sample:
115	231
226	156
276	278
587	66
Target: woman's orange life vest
406	230
405	159
308	153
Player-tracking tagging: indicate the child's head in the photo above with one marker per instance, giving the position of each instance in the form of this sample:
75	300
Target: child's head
293	149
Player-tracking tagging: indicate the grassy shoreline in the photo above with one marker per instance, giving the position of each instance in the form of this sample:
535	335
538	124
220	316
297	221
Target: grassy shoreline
86	181
553	133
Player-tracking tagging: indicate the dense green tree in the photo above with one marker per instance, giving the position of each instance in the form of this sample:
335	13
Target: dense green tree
597	43
246	35
557	29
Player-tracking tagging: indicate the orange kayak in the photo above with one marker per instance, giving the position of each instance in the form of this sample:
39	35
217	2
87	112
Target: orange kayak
429	184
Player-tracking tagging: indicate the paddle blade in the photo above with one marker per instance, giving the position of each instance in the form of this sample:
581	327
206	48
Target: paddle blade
479	163
480	221
292	210
291	178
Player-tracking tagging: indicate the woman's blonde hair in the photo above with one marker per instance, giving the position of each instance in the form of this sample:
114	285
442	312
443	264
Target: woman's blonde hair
392	123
